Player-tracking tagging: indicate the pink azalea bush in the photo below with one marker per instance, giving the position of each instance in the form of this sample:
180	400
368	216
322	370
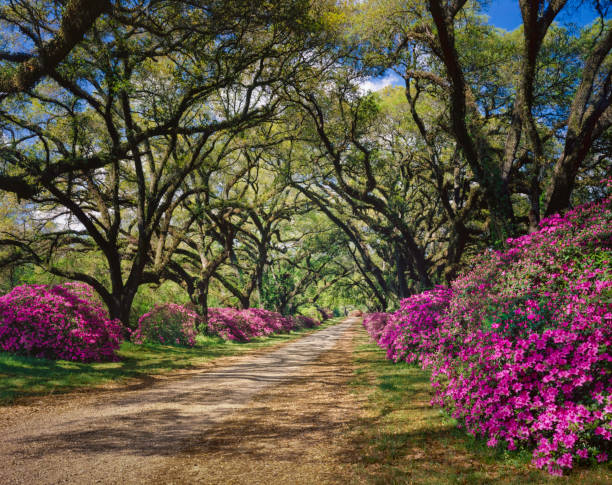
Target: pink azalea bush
170	324
519	347
375	323
412	332
58	322
244	325
302	321
178	325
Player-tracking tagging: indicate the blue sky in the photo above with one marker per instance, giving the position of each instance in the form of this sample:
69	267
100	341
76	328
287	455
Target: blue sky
506	14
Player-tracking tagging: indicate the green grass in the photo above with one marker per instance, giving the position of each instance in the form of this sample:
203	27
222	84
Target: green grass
27	376
403	439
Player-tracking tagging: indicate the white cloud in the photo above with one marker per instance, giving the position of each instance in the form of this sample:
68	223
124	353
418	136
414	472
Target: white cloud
373	84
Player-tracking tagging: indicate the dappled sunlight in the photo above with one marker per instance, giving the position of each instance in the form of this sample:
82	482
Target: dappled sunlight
403	439
200	200
166	416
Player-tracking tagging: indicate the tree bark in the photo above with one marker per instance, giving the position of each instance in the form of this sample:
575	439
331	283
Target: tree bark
487	172
78	17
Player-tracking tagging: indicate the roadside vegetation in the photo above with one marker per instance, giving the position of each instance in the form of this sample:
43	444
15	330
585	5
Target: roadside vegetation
519	346
403	439
22	377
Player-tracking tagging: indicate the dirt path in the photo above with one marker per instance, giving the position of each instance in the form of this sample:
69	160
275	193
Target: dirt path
298	433
145	435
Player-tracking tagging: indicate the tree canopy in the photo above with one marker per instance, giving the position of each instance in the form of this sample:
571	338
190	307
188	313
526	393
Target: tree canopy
229	153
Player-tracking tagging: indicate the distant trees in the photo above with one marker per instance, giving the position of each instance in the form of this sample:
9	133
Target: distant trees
390	180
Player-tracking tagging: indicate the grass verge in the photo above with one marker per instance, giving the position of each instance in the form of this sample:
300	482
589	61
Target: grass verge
402	439
27	376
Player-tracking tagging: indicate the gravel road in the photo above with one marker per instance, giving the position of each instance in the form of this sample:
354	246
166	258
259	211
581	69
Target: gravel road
123	436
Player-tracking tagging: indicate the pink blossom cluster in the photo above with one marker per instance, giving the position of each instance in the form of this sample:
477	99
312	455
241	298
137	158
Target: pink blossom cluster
168	324
519	347
243	325
412	332
178	325
58	322
375	323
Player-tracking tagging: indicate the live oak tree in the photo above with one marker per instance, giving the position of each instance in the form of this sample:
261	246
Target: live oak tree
361	175
230	147
312	262
218	210
41	35
501	122
112	135
269	204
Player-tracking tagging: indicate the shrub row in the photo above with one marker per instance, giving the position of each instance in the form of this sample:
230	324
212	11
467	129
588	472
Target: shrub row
67	322
176	324
243	325
519	347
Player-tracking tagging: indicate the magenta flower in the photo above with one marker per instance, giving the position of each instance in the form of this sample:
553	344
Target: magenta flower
58	322
243	325
168	323
518	347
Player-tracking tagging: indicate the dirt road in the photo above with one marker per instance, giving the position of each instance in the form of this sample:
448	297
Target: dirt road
139	436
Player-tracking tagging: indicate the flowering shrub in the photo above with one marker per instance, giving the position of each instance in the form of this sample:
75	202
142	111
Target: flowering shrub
519	348
375	323
302	321
243	325
57	322
167	324
412	332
